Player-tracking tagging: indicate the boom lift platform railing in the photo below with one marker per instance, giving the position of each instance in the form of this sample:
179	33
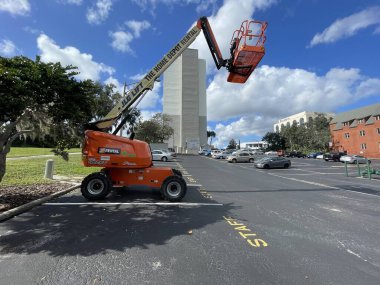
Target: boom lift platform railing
247	48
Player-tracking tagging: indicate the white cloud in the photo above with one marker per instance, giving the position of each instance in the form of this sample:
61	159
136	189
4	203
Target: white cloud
137	27
89	69
8	48
99	13
119	86
15	7
121	41
228	19
348	26
273	93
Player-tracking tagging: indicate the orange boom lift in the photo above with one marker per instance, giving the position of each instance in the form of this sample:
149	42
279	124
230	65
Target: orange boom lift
128	162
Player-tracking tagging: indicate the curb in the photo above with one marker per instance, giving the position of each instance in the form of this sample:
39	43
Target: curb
23	208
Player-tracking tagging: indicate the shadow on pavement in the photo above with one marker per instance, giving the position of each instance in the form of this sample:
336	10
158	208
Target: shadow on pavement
63	230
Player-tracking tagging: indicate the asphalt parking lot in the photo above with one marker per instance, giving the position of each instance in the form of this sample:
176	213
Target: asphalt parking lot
309	224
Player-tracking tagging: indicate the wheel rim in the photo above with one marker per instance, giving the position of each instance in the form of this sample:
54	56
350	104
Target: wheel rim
173	188
95	187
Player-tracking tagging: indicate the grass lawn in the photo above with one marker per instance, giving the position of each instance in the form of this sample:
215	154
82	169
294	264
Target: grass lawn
29	151
32	170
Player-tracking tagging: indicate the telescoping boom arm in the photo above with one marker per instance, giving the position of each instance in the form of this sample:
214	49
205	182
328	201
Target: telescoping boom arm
148	81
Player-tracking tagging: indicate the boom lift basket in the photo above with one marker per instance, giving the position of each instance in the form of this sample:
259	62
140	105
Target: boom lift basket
247	50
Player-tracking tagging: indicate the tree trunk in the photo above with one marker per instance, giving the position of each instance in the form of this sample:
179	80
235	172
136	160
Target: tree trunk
3	158
5	147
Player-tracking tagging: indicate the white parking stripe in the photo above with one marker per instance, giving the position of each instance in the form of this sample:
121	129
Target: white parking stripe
135	204
321	185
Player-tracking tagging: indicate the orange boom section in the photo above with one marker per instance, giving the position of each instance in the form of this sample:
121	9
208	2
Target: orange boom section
106	150
247	48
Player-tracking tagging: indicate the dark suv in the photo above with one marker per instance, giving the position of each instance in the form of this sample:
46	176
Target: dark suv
295	154
334	156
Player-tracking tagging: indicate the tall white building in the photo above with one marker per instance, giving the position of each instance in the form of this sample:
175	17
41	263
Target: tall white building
299	119
184	100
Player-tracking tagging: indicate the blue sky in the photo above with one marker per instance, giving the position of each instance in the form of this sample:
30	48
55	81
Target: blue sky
320	55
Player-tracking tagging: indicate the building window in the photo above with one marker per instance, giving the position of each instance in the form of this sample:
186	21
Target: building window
347	135
362	133
378	131
377	118
302	121
363	146
360	121
345	124
277	128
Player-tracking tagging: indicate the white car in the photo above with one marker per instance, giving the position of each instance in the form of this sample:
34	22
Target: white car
159	154
222	155
215	153
354	159
319	156
271	153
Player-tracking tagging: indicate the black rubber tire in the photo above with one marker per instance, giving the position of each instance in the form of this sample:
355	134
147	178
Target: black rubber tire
174	188
286	165
354	162
369	162
266	166
251	160
234	160
164	159
96	186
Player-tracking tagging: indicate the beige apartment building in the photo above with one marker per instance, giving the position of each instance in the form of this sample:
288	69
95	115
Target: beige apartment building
299	119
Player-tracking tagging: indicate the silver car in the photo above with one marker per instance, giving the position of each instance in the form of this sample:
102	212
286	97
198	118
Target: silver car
273	162
354	159
161	155
242	156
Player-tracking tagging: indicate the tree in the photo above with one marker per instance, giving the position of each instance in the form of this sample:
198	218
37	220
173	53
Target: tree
275	141
155	130
41	98
211	135
313	136
232	144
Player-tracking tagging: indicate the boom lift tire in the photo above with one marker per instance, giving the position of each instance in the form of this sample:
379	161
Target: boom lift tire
96	186
174	188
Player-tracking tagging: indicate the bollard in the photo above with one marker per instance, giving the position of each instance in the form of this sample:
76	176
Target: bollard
345	167
357	164
49	169
369	171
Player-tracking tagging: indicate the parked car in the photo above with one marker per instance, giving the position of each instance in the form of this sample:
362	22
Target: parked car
205	152
296	154
273	162
241	156
314	154
159	154
334	156
216	152
319	156
273	153
354	159
172	152
222	155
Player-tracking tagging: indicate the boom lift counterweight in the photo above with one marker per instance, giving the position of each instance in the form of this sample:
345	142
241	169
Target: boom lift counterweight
128	162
